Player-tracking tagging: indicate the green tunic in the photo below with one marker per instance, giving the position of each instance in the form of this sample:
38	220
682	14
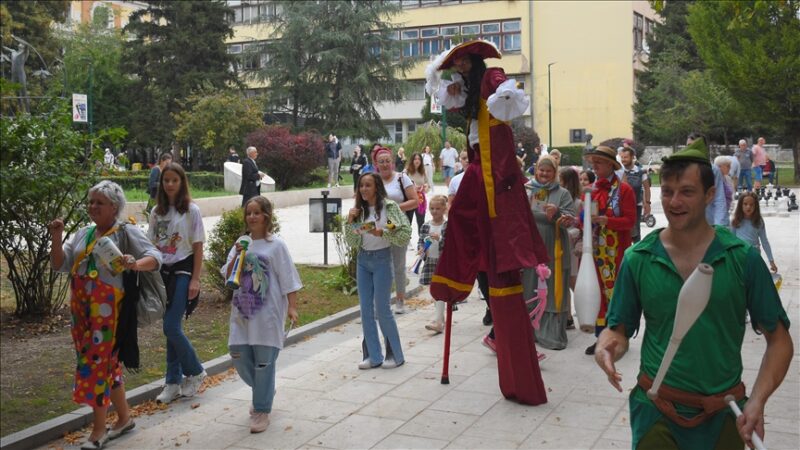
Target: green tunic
709	359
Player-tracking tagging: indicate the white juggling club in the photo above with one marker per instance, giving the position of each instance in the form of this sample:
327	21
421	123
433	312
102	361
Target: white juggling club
692	300
587	289
731	401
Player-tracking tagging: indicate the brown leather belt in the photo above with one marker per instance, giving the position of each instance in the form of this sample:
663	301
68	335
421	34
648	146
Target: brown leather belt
710	404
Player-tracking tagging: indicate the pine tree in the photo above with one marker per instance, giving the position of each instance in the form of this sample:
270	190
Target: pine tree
330	62
177	48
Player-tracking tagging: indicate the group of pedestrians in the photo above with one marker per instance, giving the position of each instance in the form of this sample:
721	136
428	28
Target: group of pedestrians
106	260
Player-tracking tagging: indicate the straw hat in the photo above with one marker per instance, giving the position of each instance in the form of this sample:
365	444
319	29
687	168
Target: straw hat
604	153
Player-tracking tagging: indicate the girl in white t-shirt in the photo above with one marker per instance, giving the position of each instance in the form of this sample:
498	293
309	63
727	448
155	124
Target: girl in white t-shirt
267	294
176	229
433	231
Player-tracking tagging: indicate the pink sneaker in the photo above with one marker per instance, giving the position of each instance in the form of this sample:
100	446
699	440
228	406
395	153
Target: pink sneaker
488	342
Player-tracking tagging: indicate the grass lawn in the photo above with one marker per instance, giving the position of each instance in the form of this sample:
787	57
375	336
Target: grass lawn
140	195
38	366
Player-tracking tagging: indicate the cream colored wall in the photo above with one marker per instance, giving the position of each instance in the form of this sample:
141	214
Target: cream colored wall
593	74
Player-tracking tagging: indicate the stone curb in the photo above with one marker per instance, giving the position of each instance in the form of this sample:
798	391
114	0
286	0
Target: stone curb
55	428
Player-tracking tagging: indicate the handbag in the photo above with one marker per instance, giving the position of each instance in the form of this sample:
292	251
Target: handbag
152	301
409	213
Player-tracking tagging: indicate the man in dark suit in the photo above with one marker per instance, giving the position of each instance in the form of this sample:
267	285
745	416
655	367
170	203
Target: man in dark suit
251	177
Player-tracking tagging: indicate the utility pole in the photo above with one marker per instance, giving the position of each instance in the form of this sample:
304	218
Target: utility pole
549	109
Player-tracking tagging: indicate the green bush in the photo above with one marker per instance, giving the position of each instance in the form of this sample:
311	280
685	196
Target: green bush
230	226
207	181
431	134
571	155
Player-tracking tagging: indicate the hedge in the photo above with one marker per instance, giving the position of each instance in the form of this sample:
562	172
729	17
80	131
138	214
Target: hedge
206	181
571	155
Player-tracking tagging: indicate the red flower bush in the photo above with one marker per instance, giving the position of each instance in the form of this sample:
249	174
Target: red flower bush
288	158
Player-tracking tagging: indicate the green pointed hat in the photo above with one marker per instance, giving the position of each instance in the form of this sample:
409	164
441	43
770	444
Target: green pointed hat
697	152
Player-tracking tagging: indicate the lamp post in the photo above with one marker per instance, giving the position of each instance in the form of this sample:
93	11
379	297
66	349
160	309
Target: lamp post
549	109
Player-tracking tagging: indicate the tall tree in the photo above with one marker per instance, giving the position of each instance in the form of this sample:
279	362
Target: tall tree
658	112
93	55
176	48
215	122
30	21
752	49
332	82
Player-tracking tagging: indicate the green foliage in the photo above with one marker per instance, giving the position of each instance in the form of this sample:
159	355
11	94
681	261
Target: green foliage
207	181
571	155
31	21
345	278
751	49
176	49
215	122
431	134
47	170
454	118
91	65
677	94
231	225
332	81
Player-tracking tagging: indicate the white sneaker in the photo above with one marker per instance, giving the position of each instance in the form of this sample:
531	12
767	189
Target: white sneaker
191	384
366	365
170	393
391	363
399	307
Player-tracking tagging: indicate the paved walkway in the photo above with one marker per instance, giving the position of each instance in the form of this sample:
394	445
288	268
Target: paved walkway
324	401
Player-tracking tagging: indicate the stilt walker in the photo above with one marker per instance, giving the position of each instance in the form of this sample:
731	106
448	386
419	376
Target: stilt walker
490	222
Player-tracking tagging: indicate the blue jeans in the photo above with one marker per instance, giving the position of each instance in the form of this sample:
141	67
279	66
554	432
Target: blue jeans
746	178
256	365
374	279
447	171
181	357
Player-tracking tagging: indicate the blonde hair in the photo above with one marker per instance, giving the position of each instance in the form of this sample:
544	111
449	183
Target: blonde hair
439	198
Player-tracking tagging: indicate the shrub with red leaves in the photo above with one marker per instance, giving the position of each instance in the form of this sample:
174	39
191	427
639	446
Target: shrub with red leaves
288	158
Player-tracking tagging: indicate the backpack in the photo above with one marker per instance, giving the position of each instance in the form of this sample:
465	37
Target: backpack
152	300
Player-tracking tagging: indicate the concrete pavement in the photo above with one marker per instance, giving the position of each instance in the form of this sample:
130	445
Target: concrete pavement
324	401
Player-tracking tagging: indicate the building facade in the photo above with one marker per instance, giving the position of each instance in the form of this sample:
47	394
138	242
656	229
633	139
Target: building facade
593	50
82	11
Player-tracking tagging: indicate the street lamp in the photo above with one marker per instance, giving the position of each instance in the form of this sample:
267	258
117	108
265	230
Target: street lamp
549	108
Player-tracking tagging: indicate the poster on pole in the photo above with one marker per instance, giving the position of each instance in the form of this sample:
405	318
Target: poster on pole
80	108
436	107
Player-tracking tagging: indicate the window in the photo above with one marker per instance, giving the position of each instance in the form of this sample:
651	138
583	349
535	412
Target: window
253	12
398	132
512	42
577	135
490	28
430	41
470	30
411	44
412	127
416	91
235	49
409	3
638	31
512	37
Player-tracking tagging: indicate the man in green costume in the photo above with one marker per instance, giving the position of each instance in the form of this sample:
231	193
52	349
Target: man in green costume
690	412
